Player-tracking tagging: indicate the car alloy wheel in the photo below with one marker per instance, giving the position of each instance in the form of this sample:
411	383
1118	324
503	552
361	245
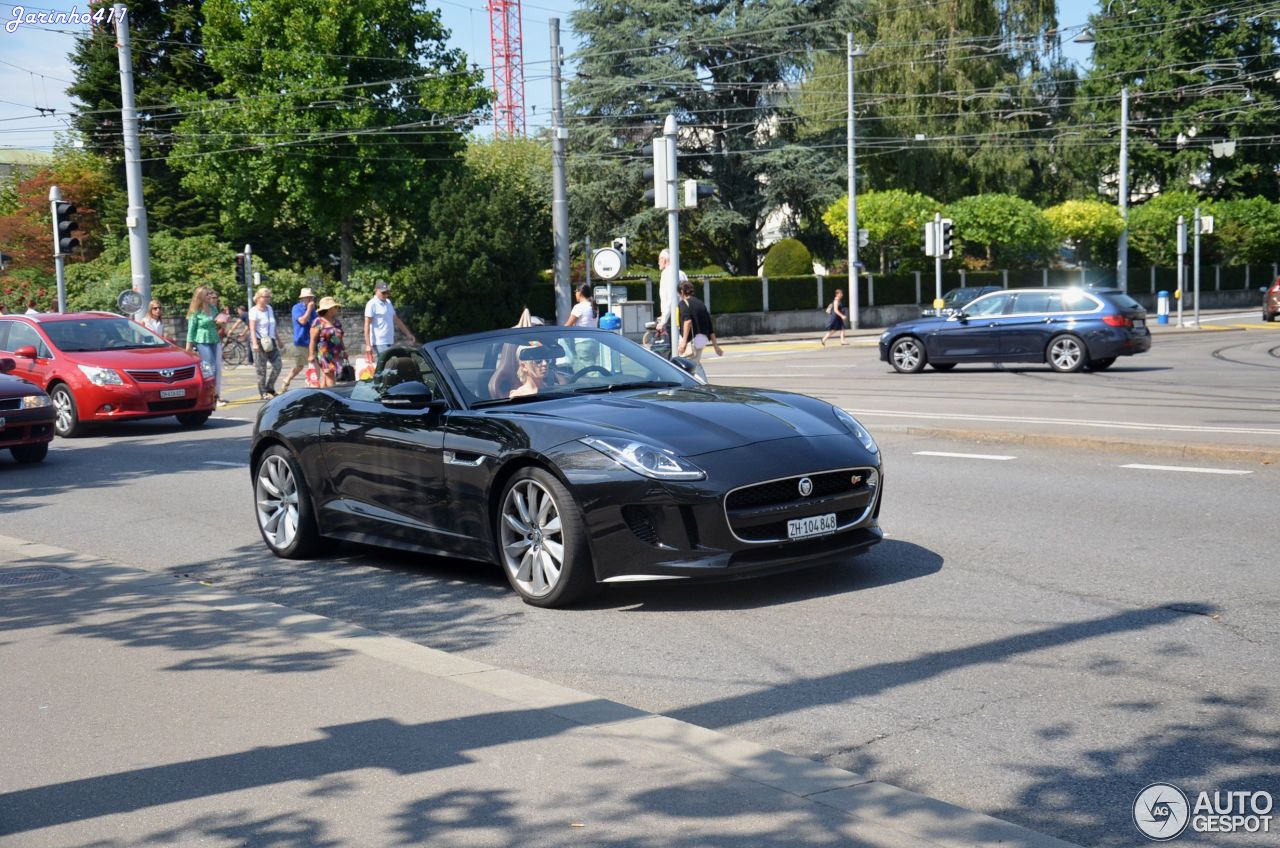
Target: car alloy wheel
541	541
1066	354
66	423
282	505
906	355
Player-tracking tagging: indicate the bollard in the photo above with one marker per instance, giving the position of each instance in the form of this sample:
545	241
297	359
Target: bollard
1162	307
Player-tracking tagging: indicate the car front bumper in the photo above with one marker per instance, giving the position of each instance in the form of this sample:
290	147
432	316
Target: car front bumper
642	529
26	426
115	403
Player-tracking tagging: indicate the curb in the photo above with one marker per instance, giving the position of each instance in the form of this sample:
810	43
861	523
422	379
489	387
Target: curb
911	820
1231	453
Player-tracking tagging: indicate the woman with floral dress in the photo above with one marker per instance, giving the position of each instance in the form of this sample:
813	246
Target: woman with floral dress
328	352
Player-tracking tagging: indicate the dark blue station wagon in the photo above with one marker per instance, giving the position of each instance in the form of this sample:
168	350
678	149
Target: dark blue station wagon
1067	328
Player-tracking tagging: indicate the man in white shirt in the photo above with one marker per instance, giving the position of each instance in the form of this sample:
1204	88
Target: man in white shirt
668	299
380	322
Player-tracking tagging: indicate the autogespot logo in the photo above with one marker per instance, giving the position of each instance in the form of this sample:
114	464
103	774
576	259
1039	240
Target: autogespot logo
1161	812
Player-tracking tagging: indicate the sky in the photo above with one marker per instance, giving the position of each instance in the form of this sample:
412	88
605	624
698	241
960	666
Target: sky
34	69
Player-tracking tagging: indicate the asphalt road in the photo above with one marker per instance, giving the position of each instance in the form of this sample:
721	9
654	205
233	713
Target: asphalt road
1044	632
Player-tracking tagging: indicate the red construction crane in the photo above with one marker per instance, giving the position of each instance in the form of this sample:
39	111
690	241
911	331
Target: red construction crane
507	51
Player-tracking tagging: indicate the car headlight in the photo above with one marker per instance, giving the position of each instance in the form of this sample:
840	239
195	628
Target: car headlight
34	401
207	371
101	376
851	424
645	459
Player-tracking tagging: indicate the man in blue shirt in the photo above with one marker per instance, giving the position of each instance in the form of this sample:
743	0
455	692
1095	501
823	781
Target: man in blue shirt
304	312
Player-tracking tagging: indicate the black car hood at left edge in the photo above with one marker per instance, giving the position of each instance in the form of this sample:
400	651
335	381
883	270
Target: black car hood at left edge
692	421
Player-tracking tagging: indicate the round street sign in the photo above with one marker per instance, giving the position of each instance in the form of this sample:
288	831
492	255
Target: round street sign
129	301
607	263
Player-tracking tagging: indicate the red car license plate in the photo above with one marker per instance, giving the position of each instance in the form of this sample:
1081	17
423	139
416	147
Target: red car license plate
173	393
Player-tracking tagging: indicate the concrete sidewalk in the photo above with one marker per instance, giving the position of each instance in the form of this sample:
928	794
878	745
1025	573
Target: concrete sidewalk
143	709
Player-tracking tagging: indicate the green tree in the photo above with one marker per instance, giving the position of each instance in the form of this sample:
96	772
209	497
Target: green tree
952	98
1198	74
522	166
478	264
1248	230
327	117
1001	230
178	266
720	69
166	42
1153	226
788	258
894	221
1089	226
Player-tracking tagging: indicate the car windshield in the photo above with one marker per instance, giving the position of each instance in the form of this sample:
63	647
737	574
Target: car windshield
528	365
88	334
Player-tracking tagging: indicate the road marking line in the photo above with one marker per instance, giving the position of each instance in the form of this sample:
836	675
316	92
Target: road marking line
222	462
1185	468
1074	422
964	455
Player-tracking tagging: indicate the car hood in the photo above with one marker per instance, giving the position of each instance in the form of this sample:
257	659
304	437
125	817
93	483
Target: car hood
135	359
692	421
13	386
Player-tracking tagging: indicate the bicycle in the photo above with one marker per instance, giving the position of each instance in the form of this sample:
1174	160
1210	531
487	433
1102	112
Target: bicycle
234	352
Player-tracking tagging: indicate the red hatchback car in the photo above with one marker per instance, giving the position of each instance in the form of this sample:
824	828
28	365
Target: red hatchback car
99	367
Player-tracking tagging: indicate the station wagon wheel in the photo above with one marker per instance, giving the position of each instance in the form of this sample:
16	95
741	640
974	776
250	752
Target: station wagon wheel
907	355
282	504
542	540
66	421
1066	353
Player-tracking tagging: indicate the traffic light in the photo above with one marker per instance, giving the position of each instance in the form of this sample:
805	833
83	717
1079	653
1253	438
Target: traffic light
864	238
240	270
694	190
947	248
64	225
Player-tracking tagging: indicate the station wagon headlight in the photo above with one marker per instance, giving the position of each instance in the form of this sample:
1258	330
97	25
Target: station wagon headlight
34	401
851	424
207	371
101	376
645	459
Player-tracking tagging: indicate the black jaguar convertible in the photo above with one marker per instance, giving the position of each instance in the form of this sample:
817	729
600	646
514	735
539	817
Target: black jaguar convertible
569	456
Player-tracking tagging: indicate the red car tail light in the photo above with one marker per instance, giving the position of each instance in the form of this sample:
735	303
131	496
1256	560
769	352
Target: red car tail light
1117	321
1275	287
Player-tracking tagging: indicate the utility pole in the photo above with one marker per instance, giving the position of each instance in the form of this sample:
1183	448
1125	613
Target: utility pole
673	225
937	259
853	53
1182	264
1195	271
559	187
249	280
136	218
1122	249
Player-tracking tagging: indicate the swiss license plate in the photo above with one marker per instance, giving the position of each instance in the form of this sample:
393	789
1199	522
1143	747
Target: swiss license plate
814	525
1139	323
173	393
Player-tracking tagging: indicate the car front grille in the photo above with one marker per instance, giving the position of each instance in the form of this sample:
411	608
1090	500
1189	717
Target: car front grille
759	513
177	375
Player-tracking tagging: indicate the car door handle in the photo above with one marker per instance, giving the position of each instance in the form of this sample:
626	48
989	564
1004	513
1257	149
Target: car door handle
994	324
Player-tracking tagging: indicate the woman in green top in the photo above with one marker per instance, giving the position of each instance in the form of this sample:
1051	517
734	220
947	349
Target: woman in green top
202	333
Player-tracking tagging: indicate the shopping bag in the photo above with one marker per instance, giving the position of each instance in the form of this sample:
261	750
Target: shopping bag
364	368
313	375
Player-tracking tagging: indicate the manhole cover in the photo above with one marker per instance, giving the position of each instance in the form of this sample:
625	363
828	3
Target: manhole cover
26	576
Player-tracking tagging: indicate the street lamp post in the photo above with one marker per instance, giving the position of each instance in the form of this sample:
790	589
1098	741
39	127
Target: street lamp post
853	53
1122	249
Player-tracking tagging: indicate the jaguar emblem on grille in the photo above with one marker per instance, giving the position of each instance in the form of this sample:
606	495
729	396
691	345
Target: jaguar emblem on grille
806	487
855	480
167	373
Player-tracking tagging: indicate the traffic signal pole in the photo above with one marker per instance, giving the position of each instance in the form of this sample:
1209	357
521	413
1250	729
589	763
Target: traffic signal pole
937	259
248	275
559	186
55	197
136	217
673	225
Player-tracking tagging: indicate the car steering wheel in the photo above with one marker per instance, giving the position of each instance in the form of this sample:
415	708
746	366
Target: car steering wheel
582	372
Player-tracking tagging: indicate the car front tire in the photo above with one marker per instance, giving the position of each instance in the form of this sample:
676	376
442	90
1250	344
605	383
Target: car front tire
29	454
1066	353
907	355
66	421
282	505
542	540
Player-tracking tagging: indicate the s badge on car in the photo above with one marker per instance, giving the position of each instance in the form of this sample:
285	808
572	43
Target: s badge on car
806	487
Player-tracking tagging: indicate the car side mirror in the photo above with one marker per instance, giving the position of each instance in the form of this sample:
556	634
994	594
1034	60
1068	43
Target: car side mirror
411	395
686	365
962	316
7	364
26	352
